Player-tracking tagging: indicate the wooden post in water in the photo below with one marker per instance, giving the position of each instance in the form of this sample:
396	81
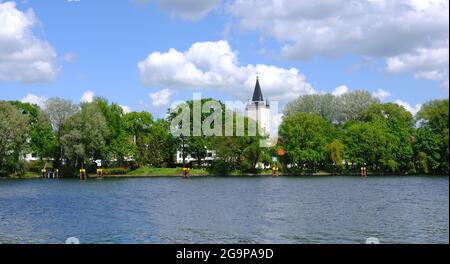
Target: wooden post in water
82	174
185	172
99	173
363	171
275	171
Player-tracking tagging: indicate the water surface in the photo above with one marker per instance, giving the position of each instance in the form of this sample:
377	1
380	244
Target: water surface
226	210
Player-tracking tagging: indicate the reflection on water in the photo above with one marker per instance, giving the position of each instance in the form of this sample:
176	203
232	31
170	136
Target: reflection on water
226	210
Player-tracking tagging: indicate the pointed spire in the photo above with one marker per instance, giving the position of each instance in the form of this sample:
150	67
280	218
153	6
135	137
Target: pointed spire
257	94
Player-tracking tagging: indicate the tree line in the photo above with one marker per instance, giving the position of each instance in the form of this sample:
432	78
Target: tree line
320	132
68	136
343	133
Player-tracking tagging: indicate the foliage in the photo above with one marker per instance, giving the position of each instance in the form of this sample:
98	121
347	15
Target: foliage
83	136
13	135
334	109
432	136
335	152
116	171
41	140
304	138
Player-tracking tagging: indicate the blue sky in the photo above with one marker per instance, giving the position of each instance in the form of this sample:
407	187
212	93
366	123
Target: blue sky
218	47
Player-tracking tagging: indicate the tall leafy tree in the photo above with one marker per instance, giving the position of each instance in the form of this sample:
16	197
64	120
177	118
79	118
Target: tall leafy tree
138	125
350	106
304	137
194	145
433	133
41	139
13	135
58	111
335	152
367	144
83	137
334	109
118	145
400	127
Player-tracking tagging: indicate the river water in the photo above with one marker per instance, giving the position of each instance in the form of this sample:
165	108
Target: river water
394	209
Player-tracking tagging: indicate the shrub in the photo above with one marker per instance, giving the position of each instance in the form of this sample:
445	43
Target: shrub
115	171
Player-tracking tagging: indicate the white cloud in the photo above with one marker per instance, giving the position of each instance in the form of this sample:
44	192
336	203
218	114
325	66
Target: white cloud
23	56
381	94
126	109
407	106
161	98
213	65
396	31
87	97
340	90
430	64
34	99
187	9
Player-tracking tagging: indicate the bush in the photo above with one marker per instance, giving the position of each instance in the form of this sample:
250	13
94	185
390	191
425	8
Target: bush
220	166
115	171
247	167
36	166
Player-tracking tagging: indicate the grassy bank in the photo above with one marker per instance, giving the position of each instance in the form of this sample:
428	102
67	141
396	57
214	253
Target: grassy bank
168	172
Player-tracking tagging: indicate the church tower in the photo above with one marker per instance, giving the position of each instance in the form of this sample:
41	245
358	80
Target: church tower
259	110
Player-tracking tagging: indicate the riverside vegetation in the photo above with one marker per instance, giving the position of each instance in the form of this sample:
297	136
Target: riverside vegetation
322	132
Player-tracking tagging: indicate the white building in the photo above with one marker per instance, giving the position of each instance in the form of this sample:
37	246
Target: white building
259	110
210	156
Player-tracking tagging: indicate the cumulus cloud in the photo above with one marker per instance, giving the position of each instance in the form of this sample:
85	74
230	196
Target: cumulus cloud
381	94
214	65
399	32
340	90
34	99
161	98
87	97
430	64
188	9
23	56
410	108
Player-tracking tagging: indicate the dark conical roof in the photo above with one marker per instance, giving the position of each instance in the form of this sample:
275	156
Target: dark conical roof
257	94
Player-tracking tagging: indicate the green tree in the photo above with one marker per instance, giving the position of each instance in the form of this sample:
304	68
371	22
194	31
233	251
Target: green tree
334	109
367	144
13	135
433	118
195	145
118	143
323	105
159	144
304	138
400	128
41	139
58	111
138	125
427	149
83	137
350	106
335	152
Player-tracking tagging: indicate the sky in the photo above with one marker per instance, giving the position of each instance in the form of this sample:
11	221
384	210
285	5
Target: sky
146	54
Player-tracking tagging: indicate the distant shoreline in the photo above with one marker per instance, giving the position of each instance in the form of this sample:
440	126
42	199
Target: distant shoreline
320	174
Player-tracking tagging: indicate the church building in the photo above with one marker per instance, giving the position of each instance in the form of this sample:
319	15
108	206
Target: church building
259	110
